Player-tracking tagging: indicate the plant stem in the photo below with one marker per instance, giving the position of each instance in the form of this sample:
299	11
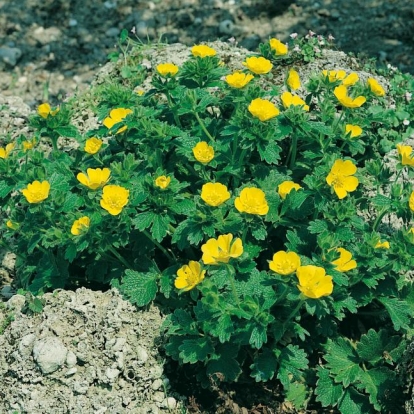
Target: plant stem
232	285
173	110
203	127
119	257
379	218
162	248
293	152
295	311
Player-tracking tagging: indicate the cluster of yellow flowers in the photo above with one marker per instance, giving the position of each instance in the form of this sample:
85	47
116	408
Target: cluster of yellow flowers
215	252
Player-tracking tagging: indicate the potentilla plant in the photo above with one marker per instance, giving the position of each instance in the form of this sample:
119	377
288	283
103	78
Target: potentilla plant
254	212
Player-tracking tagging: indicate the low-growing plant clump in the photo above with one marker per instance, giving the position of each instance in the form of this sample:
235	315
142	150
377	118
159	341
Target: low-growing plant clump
252	210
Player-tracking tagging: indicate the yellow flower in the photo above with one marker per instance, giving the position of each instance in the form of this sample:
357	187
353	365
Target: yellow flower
258	65
28	145
340	178
334	75
284	263
293	79
203	51
189	276
93	145
252	201
80	226
95	178
288	99
405	152
313	281
341	93
344	262
382	245
238	79
214	194
12	225
375	87
36	192
411	201
351	79
167	69
162	182
221	250
286	187
354	130
203	152
4	152
44	110
279	48
263	109
115	117
114	199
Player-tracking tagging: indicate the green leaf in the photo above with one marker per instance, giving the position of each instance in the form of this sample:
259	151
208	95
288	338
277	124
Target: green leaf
259	233
70	252
34	241
5	189
185	207
270	152
223	328
328	393
297	394
373	345
36	305
343	361
140	287
160	227
381	201
354	402
292	361
378	383
68	131
123	36
143	220
264	366
194	350
399	312
317	226
72	203
226	366
258	336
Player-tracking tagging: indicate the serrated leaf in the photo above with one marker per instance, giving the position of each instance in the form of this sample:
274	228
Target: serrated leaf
5	189
380	200
194	350
70	252
143	220
226	366
354	402
264	366
259	233
33	242
68	131
36	305
399	312
159	228
317	226
292	361
140	287
377	383
297	394
328	393
72	202
258	336
185	207
373	345
343	361
223	328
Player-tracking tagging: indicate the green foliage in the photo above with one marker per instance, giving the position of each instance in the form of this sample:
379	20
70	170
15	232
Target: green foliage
262	231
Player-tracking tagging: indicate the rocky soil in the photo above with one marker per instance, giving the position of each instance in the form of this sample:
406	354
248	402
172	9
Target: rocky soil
51	48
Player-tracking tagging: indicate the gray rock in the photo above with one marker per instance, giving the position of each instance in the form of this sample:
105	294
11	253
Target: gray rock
251	42
50	354
16	302
26	345
112	32
226	27
10	55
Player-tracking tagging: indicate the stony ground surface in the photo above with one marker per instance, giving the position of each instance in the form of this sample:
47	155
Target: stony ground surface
50	48
87	352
